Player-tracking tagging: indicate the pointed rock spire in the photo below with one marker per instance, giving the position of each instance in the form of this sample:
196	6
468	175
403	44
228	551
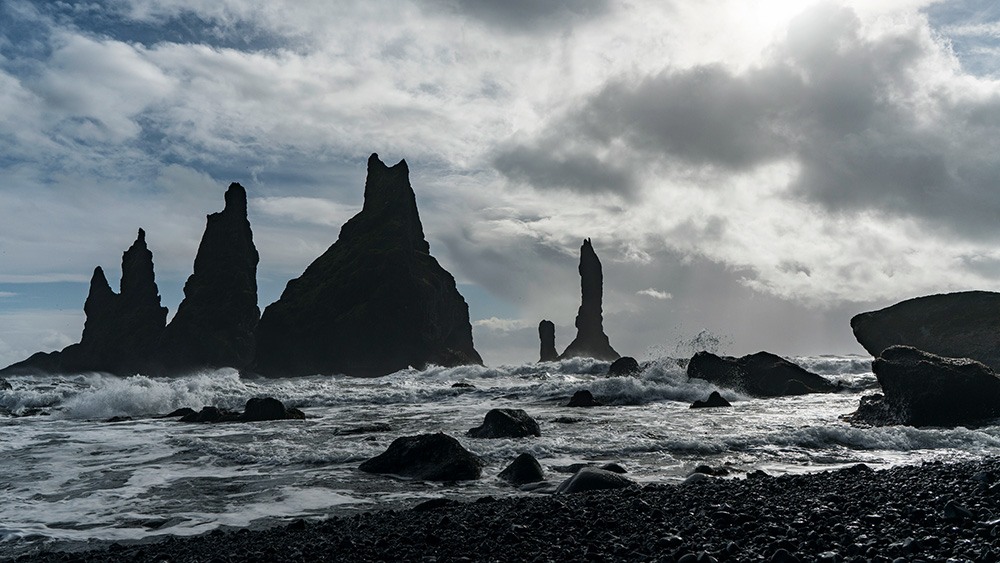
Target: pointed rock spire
547	337
590	339
375	302
215	323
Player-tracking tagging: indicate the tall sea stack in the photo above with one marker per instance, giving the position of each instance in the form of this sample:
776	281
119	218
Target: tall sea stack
215	323
547	337
375	302
590	338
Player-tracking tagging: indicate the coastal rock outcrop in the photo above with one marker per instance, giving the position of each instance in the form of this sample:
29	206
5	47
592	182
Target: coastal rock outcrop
624	366
590	339
593	479
375	302
714	400
761	375
924	389
216	322
257	409
427	457
523	470
506	423
954	325
547	338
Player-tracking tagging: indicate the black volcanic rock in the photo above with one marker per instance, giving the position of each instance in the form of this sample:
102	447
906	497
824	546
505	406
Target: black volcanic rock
715	399
428	457
523	470
215	323
590	339
375	302
583	398
547	337
953	325
761	375
506	423
923	389
625	365
593	479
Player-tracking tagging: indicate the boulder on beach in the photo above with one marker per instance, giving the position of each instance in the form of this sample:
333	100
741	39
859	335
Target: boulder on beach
593	479
590	339
523	470
924	389
623	366
761	375
427	457
583	398
547	339
216	321
954	325
715	399
506	423
375	302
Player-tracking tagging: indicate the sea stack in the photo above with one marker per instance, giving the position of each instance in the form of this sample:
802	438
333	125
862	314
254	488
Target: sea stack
375	302
216	322
547	336
590	338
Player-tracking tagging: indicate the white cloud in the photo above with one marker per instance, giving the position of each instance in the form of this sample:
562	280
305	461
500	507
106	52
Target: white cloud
502	325
655	294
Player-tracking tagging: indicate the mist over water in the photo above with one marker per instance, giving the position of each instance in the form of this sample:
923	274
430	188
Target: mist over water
70	476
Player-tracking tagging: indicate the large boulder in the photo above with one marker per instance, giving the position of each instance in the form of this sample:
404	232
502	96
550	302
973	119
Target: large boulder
506	423
593	479
216	321
923	389
624	366
427	457
375	302
590	339
953	325
523	470
547	340
714	400
761	375
583	398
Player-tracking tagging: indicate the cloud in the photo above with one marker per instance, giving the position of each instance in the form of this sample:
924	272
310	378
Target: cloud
502	325
522	15
655	294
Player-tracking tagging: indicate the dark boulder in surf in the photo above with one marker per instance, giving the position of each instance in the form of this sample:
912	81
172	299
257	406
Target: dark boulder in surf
624	366
715	399
523	470
761	375
590	339
954	325
506	423
923	389
583	398
427	457
375	302
593	479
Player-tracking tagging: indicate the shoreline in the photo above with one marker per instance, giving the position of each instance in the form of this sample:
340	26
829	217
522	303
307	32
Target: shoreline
932	511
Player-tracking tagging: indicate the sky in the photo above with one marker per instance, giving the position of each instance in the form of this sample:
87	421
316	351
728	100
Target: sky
752	172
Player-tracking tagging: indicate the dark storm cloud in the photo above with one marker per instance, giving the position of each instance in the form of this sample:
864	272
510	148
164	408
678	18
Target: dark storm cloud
580	172
522	15
853	112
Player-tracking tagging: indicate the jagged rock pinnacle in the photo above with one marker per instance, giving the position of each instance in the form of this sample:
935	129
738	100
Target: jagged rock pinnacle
590	338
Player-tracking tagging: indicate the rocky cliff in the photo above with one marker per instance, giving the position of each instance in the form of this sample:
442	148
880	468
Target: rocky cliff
375	302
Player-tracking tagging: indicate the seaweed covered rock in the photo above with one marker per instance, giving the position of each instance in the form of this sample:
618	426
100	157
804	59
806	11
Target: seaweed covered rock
375	302
216	321
761	375
427	457
506	423
590	339
954	325
923	389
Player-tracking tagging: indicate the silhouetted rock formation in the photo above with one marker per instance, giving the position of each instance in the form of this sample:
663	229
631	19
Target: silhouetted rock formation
593	479
625	365
121	328
256	410
583	398
762	374
216	322
506	423
714	400
547	336
923	389
953	325
428	457
523	470
375	302
590	339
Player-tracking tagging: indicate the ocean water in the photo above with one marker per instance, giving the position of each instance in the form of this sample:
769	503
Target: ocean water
68	477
